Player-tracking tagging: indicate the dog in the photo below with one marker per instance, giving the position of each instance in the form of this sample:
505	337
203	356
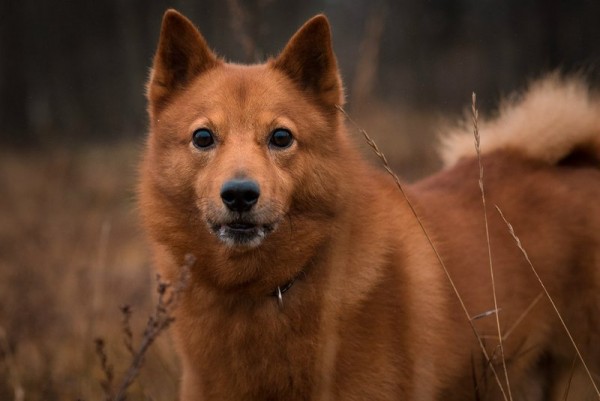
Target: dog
317	277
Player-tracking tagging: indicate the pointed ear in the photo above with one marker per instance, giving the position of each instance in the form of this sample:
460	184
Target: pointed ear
182	54
309	61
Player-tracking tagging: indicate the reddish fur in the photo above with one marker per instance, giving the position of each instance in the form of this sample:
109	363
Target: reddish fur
371	315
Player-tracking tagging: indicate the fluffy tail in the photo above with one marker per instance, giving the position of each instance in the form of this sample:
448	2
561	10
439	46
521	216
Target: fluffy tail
554	118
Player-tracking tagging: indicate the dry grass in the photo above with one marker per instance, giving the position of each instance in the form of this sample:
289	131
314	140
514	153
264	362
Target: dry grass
159	321
71	254
477	138
562	322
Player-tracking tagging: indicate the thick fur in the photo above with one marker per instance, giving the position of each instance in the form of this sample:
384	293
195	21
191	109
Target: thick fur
555	117
370	315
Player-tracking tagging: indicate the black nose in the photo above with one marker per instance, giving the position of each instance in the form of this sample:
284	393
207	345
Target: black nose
240	195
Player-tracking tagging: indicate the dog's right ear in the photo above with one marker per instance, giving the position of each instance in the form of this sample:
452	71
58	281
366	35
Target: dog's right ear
182	55
309	61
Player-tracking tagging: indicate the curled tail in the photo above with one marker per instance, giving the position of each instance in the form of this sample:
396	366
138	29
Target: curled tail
555	118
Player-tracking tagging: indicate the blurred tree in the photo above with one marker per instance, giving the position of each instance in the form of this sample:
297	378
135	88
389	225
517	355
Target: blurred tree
75	71
13	101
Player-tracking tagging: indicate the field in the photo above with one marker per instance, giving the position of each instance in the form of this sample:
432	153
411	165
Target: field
72	254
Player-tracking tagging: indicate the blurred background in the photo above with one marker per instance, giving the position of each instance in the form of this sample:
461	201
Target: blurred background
73	121
75	71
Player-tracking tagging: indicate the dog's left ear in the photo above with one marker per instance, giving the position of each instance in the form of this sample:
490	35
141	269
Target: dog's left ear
308	59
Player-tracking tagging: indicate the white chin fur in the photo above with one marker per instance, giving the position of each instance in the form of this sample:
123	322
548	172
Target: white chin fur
235	239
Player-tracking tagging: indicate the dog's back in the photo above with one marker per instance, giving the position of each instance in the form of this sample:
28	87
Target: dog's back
541	174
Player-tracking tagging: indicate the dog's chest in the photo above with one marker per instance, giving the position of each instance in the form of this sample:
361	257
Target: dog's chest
254	352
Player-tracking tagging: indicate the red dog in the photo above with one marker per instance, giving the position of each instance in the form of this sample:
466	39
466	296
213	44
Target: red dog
313	279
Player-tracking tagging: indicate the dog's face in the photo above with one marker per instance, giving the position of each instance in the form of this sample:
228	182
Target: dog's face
243	144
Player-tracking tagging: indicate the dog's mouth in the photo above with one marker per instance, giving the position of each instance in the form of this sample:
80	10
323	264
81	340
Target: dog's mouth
242	233
241	226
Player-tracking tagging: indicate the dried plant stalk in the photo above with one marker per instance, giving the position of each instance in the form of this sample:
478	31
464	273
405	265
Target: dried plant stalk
475	117
526	256
168	297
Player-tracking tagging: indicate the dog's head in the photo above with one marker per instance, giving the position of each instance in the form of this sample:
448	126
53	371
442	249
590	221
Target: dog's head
238	151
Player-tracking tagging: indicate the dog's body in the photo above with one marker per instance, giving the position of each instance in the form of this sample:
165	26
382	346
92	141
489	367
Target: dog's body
314	280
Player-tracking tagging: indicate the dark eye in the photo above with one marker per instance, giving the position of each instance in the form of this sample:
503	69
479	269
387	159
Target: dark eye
202	138
281	138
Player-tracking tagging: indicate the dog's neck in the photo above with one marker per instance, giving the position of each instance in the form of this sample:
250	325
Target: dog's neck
282	289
